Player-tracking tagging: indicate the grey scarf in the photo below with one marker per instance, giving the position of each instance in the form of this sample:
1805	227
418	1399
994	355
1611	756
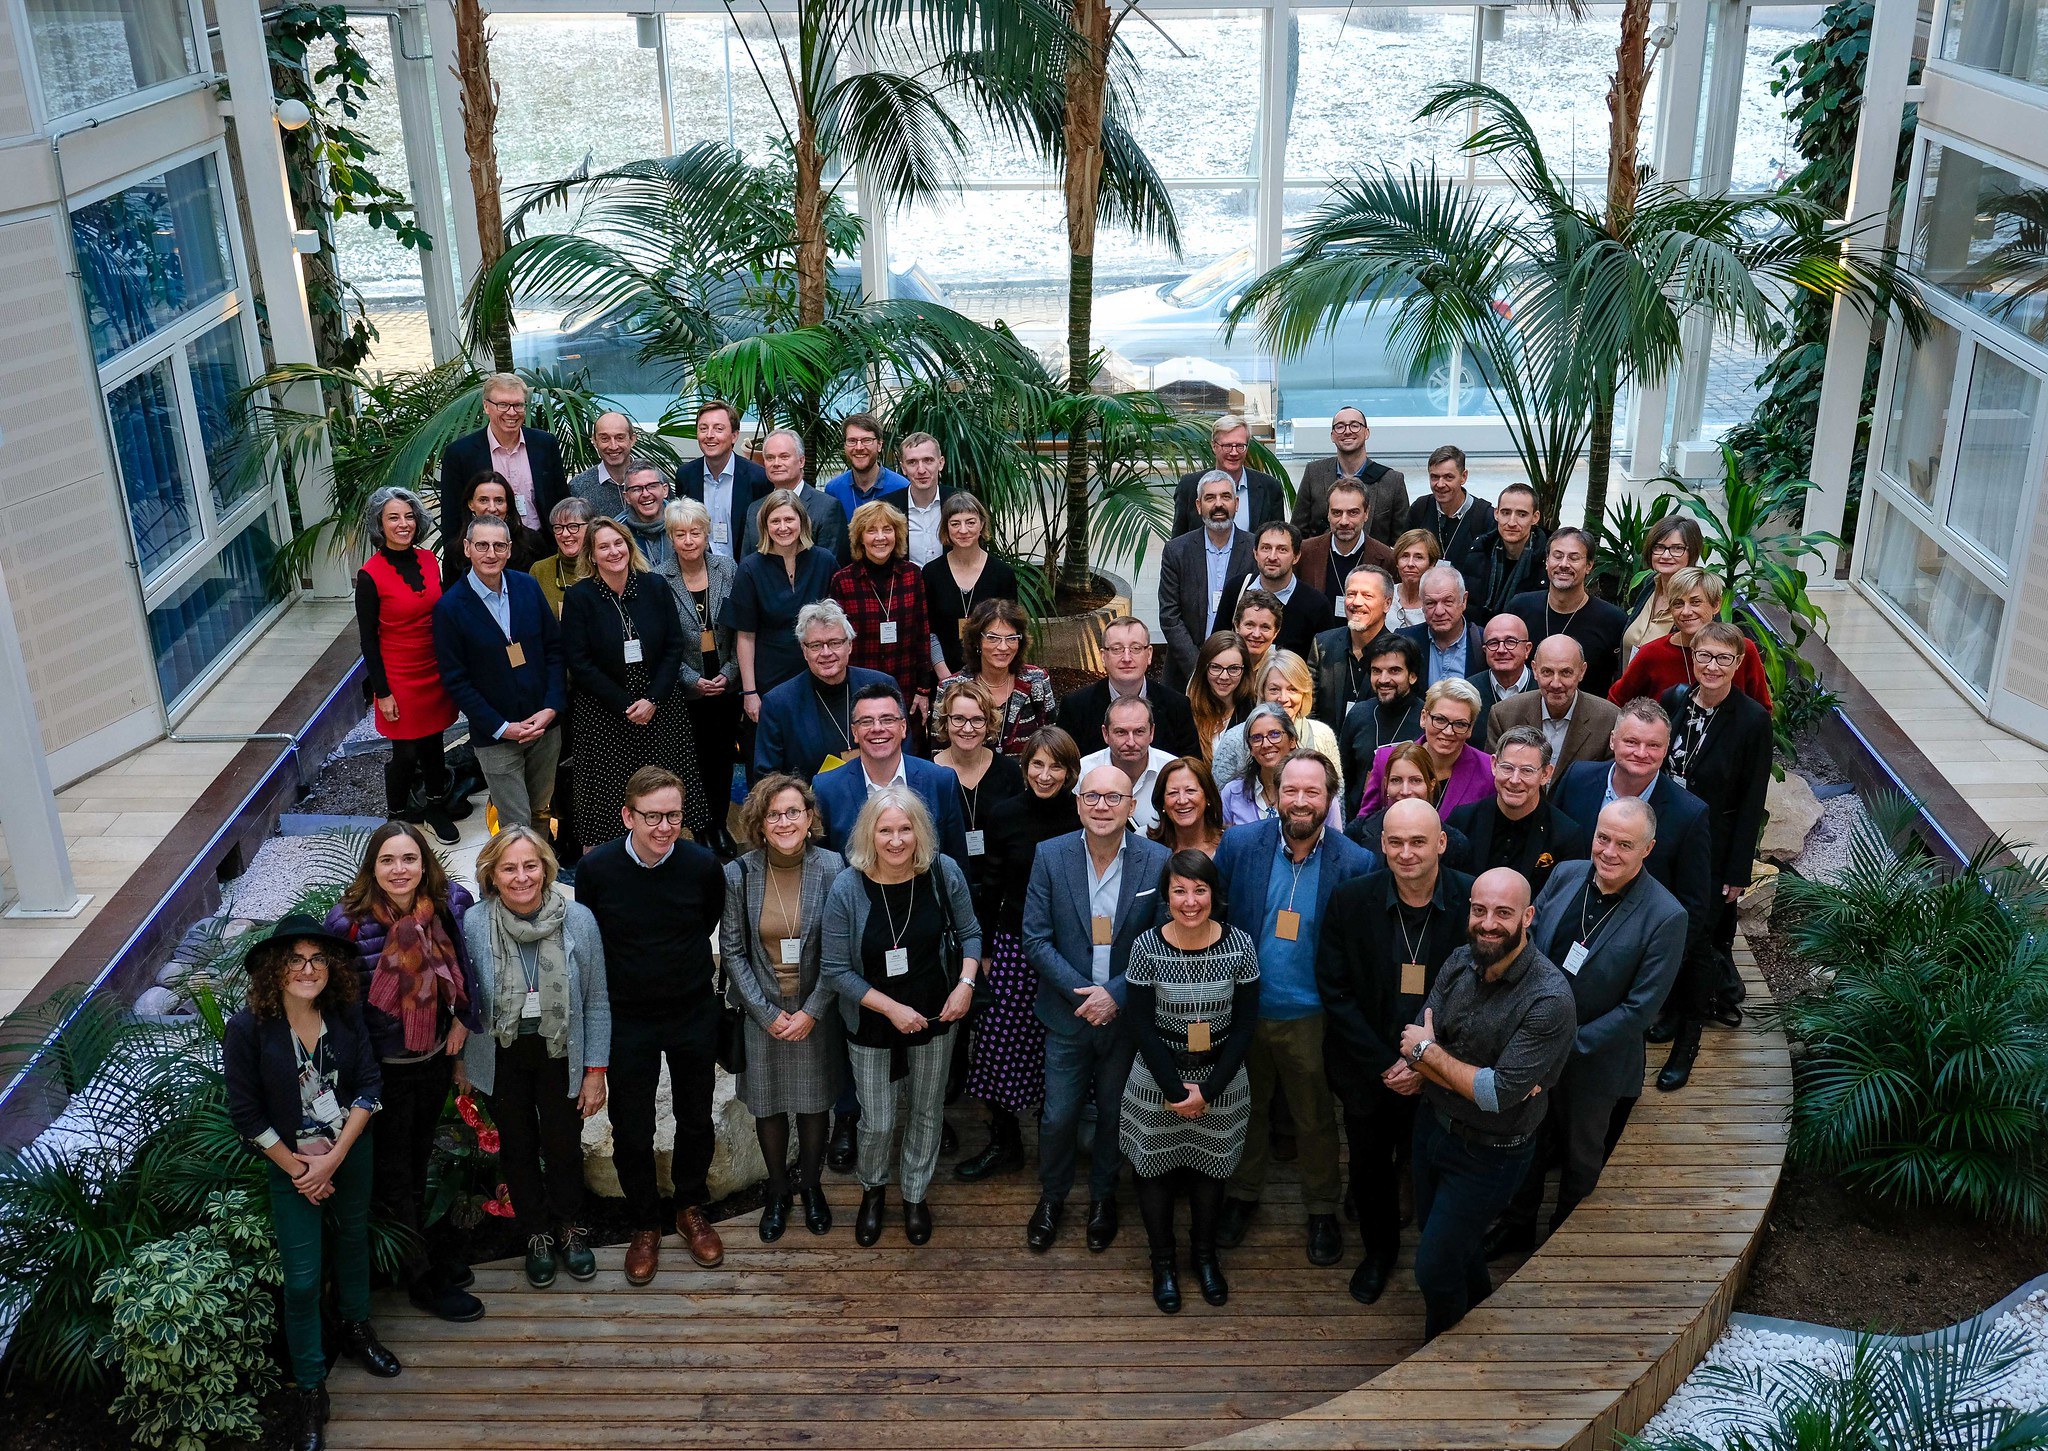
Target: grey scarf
508	929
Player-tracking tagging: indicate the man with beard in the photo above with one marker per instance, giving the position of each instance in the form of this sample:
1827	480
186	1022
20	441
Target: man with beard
1392	713
1495	1033
1568	608
1278	875
1343	658
1194	570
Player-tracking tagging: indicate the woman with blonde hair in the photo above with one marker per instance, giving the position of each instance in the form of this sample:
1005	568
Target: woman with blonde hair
1414	553
1220	694
710	676
1285	680
771	942
786	572
1410	775
1666	659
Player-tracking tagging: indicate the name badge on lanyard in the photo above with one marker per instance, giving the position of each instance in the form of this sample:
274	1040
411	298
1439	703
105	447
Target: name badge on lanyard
977	843
1576	958
633	650
896	962
887	633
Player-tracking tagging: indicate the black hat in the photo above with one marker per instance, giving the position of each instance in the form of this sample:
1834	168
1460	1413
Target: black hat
299	927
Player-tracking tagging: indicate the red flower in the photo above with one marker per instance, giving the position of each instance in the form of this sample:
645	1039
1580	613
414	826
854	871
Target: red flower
500	1207
466	1106
487	1140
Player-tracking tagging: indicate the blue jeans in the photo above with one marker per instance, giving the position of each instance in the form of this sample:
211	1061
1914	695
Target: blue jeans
1460	1189
1074	1061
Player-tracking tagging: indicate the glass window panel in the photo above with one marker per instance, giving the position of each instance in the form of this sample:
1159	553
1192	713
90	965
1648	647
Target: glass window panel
1971	238
1159	320
2005	37
1952	611
715	78
991	254
571	89
219	375
148	439
1731	384
1992	454
92	51
1922	380
1198	88
212	611
150	252
1340	121
1765	150
1557	70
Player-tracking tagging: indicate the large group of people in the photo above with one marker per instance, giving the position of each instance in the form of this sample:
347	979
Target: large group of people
1410	842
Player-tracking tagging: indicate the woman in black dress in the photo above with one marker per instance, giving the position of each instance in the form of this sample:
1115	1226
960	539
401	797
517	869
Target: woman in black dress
624	646
964	576
786	573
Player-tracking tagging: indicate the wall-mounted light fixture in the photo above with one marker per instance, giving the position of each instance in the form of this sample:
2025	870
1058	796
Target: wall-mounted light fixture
293	115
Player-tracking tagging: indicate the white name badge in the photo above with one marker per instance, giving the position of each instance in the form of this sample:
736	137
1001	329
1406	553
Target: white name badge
325	1108
633	652
1337	607
1678	778
1215	602
719	531
792	951
977	843
896	961
887	633
531	1008
1576	958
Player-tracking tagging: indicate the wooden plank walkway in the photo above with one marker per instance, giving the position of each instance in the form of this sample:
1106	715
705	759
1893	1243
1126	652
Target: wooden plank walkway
972	1342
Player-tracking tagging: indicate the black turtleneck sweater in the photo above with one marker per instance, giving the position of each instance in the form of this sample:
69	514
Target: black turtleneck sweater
1016	828
369	612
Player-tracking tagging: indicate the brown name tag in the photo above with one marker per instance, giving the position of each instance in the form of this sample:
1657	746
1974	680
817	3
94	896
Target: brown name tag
1103	930
1287	927
1198	1036
516	653
1412	976
708	642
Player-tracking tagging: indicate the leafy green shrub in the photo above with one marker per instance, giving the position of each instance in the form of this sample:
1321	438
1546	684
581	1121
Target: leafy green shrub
192	1318
1923	1071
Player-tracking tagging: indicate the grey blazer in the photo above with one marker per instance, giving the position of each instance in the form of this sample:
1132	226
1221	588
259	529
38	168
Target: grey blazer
590	1003
1386	501
1585	739
1623	982
1184	598
719	575
846	922
750	981
1058	940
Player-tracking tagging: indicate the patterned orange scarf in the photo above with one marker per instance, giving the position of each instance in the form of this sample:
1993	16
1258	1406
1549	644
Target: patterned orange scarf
416	972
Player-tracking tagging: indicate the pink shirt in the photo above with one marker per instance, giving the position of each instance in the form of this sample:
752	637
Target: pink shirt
512	463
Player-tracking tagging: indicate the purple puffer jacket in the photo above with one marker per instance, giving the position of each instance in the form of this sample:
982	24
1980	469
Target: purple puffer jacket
387	1036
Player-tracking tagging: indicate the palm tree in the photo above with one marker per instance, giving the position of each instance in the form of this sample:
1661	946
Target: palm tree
1562	302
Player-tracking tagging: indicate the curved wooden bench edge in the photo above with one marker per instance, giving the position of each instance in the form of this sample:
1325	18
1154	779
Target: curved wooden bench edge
1596	1330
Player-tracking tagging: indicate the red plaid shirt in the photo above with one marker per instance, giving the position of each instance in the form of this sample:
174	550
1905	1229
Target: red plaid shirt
892	593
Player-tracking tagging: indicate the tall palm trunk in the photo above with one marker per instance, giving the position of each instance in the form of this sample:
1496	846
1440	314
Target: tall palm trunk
480	143
1624	184
1087	83
811	279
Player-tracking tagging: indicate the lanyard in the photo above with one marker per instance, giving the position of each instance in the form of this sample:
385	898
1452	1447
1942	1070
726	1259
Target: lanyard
889	609
625	620
1585	905
889	915
1550	629
844	732
775	891
1414	948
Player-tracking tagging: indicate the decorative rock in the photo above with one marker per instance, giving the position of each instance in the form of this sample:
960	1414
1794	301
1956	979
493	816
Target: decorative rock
1754	906
735	1164
1794	812
157	1002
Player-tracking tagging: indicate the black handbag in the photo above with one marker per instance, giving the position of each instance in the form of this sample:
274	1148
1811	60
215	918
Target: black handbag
732	1019
952	950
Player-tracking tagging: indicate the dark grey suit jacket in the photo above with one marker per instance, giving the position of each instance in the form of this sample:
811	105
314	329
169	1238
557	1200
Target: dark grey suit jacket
1184	597
1628	972
1585	739
1386	500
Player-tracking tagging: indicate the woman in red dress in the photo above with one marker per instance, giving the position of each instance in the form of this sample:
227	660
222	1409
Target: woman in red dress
395	595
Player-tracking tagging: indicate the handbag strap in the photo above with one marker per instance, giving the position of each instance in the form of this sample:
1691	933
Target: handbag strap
949	933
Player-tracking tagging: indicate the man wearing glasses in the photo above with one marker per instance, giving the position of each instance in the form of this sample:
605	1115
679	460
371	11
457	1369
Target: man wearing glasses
880	724
1258	497
1505	646
1385	489
1127	654
645	515
806	725
658	900
1091	894
530	457
500	653
1519	827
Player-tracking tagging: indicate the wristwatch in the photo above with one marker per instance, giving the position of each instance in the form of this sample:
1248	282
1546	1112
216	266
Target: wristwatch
1415	1058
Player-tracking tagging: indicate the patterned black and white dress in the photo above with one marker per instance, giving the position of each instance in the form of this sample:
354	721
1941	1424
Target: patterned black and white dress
1189	987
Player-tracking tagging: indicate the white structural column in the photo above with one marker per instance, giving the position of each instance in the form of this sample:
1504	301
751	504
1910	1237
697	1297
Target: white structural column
28	804
267	194
1870	192
448	96
412	65
1268	242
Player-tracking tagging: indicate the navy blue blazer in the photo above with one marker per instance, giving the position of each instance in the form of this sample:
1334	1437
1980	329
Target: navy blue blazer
1683	858
794	734
1245	861
1475	659
476	663
469	456
749	484
262	1070
843	790
1059	940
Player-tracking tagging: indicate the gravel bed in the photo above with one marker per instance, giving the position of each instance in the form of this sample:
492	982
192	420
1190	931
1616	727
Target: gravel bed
1827	846
279	873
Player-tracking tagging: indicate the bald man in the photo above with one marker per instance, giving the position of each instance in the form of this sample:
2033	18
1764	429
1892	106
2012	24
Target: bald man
1384	937
1619	936
1493	1038
1577	723
603	484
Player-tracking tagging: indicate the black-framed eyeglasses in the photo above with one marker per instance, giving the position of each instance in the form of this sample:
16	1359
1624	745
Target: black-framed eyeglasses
307	966
659	818
1104	798
1446	724
1504	644
1720	658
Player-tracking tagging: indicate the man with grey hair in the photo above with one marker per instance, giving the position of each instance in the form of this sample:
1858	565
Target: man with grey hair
1194	570
645	515
530	457
806	724
1258	495
1452	646
603	484
782	456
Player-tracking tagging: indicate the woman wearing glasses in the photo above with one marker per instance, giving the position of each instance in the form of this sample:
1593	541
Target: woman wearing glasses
994	656
624	645
302	1082
564	567
710	676
1284	680
964	576
1673	543
1254	793
1220	695
903	951
1667	660
771	941
1450	709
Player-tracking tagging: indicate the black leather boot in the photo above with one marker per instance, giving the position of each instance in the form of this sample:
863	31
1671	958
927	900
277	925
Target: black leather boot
359	1343
845	1145
1166	1283
1004	1154
1685	1048
867	1225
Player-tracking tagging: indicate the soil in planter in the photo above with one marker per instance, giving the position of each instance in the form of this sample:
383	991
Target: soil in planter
349	786
1079	602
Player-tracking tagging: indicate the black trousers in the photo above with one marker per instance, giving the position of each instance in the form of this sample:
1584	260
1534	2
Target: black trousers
540	1135
688	1038
1708	974
1205	1205
414	1095
421	764
1380	1141
568	845
717	724
1578	1134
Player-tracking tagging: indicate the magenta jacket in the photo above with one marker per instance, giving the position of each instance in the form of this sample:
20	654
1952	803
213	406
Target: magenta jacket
1471	780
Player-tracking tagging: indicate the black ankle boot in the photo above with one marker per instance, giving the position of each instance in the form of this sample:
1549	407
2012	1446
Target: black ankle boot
867	1225
845	1145
306	1419
1004	1154
1166	1283
1209	1275
1685	1048
360	1344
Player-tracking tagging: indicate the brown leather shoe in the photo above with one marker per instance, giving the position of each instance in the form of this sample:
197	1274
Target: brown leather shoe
643	1256
702	1240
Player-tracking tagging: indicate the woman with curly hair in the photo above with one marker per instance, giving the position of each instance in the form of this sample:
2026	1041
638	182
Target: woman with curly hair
993	653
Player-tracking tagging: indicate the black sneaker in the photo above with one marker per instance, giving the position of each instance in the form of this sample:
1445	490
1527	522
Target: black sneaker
442	825
445	1302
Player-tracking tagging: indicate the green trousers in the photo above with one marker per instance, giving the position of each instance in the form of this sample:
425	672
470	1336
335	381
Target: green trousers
301	1229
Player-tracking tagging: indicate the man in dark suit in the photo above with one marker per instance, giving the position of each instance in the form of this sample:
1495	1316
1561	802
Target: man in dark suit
1683	854
806	724
1519	827
1567	608
1127	653
1194	570
1577	723
500	653
1619	936
727	485
1260	499
1721	748
782	459
1382	940
1342	661
1327	559
1091	894
880	722
1458	518
1278	875
1452	646
1504	644
1386	489
530	457
1305	610
1508	560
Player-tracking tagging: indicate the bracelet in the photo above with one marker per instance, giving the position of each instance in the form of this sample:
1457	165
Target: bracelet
744	693
971	984
593	1070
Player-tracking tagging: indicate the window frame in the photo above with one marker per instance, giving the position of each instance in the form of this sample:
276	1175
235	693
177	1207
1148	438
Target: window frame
102	111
